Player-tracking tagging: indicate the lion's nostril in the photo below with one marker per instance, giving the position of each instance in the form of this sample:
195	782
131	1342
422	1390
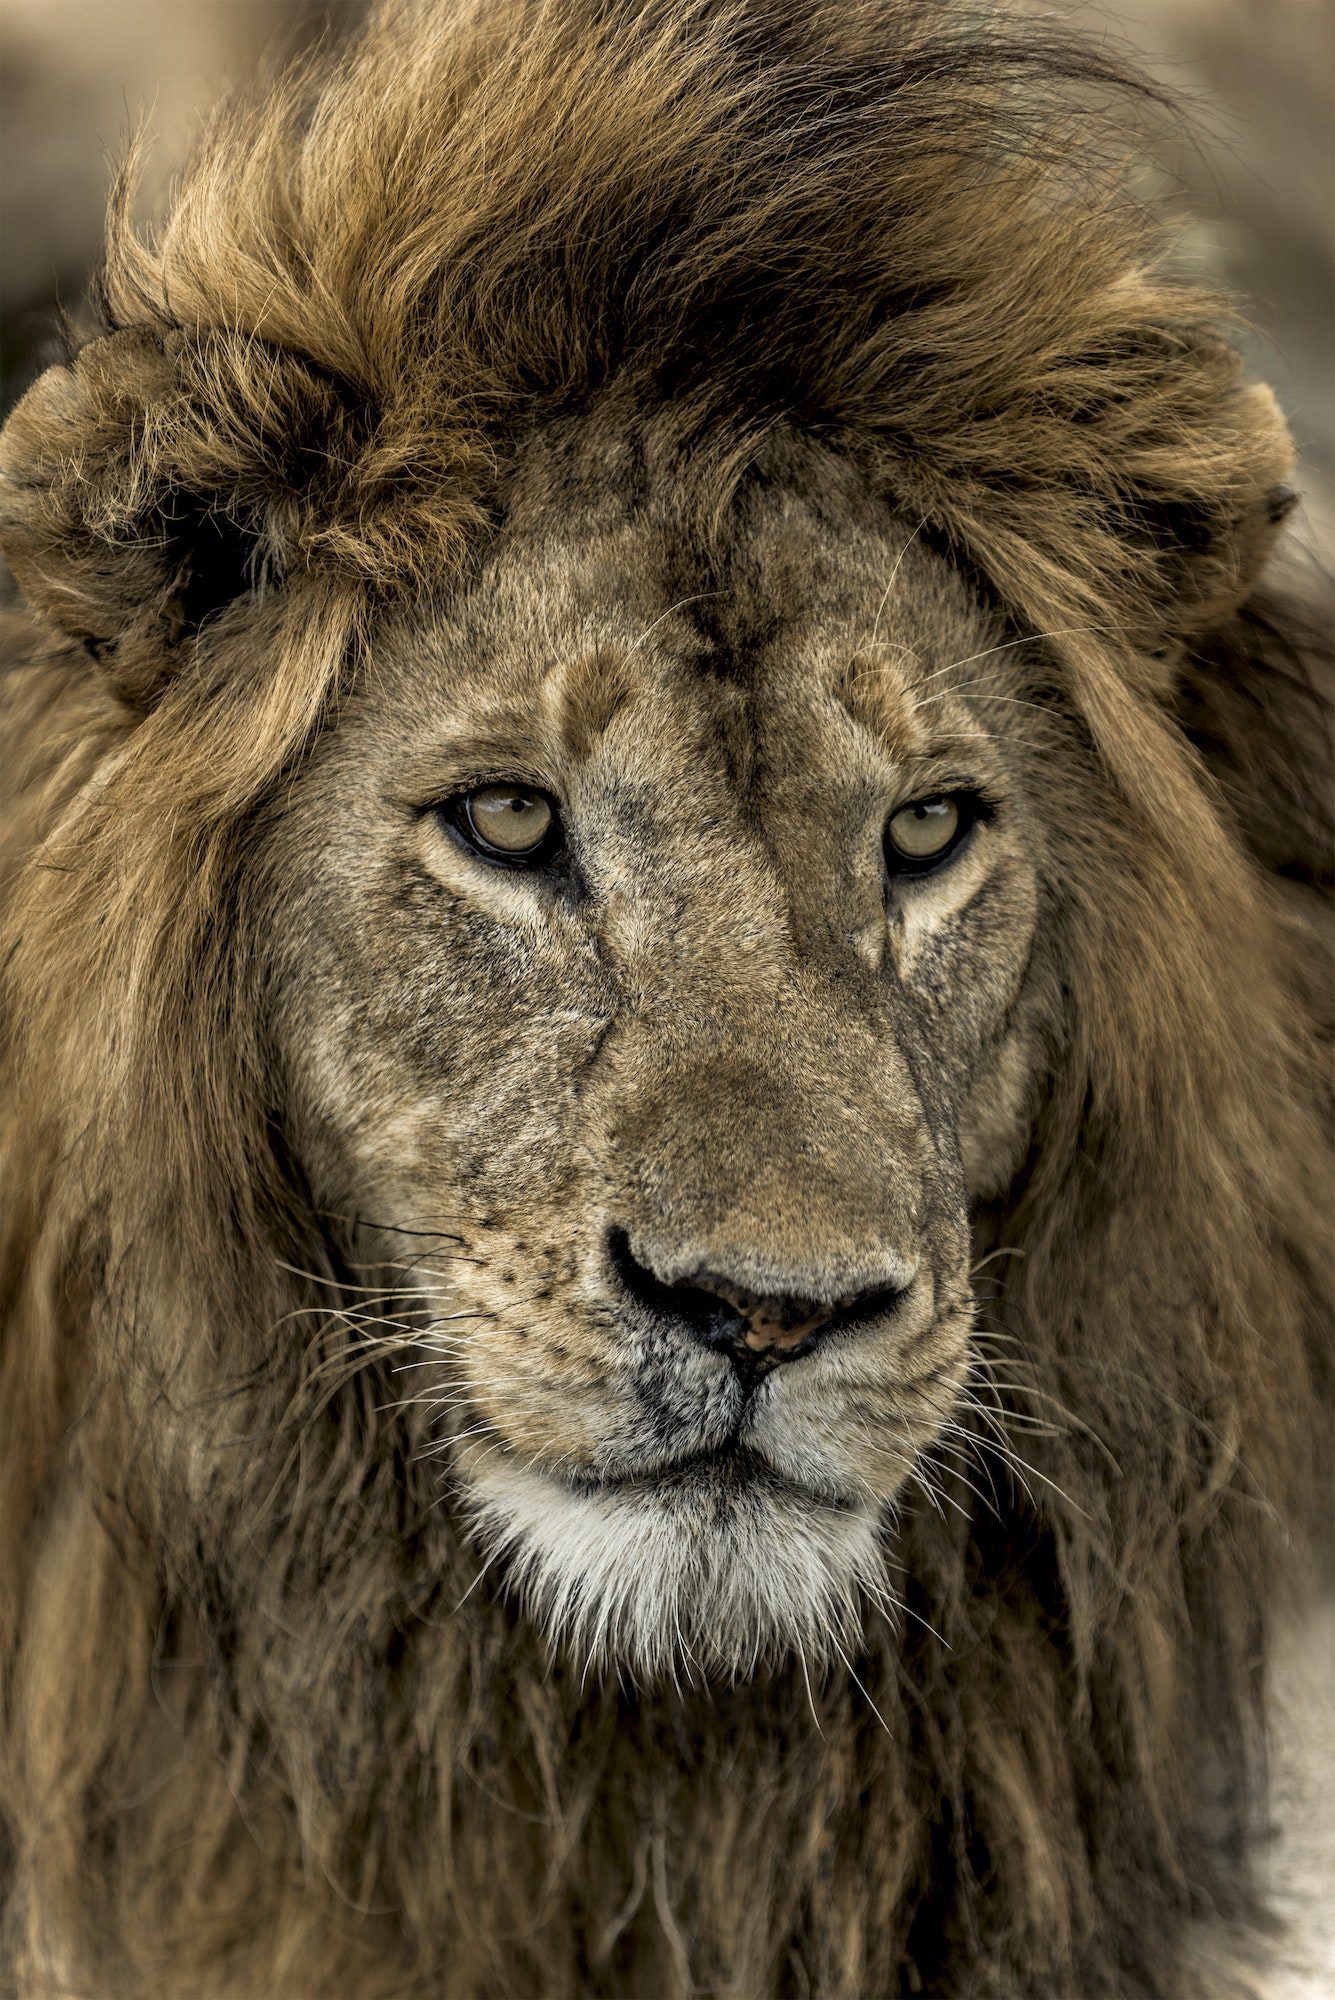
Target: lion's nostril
755	1330
777	1326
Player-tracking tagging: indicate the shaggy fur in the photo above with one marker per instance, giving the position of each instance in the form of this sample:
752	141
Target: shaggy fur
511	327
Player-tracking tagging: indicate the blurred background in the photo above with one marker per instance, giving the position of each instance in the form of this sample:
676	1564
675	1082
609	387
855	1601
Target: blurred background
1258	77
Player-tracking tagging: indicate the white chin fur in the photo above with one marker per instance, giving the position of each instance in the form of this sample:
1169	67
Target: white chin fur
692	1578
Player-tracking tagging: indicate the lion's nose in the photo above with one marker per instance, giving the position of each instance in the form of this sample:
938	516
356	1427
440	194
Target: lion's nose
777	1326
756	1327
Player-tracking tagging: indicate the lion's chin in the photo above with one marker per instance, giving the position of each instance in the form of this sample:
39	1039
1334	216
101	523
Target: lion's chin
701	1574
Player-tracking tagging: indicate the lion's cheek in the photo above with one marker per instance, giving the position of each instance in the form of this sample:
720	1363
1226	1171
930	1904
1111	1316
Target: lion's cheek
445	1124
542	1391
996	1123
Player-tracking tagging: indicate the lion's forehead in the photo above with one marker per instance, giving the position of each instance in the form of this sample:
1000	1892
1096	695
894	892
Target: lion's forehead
724	723
770	654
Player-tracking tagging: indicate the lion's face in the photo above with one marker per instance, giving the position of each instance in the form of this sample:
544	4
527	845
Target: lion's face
674	1122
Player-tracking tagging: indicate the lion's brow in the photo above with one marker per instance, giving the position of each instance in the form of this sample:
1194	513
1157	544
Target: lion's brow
873	687
583	694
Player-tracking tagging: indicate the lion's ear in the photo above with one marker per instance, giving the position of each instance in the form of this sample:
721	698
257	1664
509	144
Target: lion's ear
111	540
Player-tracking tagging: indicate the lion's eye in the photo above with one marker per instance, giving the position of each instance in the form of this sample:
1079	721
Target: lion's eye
507	823
921	836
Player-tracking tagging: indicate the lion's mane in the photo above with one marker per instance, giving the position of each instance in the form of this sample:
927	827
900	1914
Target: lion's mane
260	1738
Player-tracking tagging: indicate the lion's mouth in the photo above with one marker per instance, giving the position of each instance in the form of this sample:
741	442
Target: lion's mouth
725	1471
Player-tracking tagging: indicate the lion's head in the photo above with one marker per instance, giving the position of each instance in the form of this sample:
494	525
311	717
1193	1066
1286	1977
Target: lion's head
625	979
663	973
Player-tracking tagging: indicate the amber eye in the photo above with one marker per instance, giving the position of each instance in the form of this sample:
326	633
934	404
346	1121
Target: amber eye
921	836
508	823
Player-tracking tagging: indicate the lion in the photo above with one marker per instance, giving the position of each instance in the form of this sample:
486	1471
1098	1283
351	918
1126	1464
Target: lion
666	1288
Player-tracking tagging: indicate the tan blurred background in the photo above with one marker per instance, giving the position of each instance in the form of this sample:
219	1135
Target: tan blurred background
76	78
1259	75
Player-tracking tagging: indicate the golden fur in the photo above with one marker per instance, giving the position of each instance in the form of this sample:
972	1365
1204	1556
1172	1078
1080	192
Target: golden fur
732	416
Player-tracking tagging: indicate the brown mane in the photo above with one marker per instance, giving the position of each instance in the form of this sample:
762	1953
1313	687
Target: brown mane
259	1736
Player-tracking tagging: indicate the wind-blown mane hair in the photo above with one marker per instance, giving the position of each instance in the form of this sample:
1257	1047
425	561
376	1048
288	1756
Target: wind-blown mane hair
262	1733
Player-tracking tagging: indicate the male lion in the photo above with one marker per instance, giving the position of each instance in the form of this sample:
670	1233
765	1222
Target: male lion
665	1215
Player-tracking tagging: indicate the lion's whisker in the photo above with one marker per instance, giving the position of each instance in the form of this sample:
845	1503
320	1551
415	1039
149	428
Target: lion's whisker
859	1684
885	598
1025	639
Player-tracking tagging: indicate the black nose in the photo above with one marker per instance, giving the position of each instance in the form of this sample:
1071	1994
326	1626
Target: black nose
757	1330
